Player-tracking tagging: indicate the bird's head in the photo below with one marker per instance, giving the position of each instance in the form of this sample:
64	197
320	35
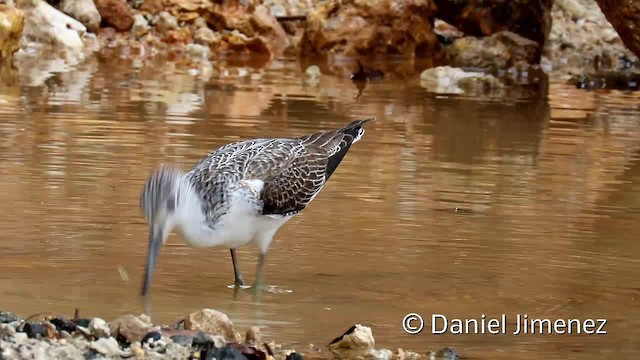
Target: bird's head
159	200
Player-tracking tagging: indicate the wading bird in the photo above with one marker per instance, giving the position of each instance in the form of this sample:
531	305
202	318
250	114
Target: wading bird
241	192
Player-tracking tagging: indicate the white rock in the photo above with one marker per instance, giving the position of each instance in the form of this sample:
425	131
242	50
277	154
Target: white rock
380	354
206	36
140	25
7	330
356	343
198	51
20	337
450	80
278	10
107	346
99	328
312	71
44	24
84	11
166	22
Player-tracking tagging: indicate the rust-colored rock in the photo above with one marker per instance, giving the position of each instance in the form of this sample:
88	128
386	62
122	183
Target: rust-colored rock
152	6
371	27
177	36
624	16
213	322
528	18
115	13
252	28
498	51
11	26
132	328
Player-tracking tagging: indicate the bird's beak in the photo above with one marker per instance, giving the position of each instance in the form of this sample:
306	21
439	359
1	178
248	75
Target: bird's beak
155	241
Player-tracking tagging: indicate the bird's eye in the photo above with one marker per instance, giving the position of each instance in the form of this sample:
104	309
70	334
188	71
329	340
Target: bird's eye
171	204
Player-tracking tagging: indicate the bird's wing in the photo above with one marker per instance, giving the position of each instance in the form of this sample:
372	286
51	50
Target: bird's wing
295	170
292	174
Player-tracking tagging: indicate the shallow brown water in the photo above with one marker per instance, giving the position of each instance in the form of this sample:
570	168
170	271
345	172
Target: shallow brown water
451	205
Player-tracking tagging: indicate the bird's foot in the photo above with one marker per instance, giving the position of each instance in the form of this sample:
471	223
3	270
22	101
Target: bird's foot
239	284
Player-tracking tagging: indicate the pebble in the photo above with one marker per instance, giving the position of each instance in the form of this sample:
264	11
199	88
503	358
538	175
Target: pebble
183	340
99	328
253	336
166	22
7	330
197	51
140	26
106	346
206	36
312	71
278	10
7	317
152	337
294	356
132	328
213	322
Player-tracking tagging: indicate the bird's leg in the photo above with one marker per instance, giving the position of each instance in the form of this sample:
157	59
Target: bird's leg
259	276
236	271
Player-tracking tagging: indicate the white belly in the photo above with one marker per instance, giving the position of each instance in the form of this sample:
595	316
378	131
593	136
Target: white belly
241	225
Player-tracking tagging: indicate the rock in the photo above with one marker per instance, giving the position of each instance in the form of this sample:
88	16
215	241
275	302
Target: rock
624	15
197	51
11	26
140	26
446	32
177	36
99	328
6	331
136	350
449	80
225	353
278	10
107	346
84	11
206	36
151	337
447	353
312	71
530	19
63	324
7	317
253	336
213	322
166	22
152	6
374	27
582	41
184	340
254	31
294	356
37	330
380	354
45	24
115	13
499	51
130	327
407	355
356	342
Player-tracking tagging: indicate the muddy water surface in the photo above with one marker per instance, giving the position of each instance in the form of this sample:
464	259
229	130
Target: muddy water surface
452	205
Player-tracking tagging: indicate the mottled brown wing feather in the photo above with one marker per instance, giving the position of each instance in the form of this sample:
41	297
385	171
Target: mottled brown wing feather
294	187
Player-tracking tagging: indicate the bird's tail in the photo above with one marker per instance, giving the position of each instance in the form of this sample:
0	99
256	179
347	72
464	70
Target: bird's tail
337	142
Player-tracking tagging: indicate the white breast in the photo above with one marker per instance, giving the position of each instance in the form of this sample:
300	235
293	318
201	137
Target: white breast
240	225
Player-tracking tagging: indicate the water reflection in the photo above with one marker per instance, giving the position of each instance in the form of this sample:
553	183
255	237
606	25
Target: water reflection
463	206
